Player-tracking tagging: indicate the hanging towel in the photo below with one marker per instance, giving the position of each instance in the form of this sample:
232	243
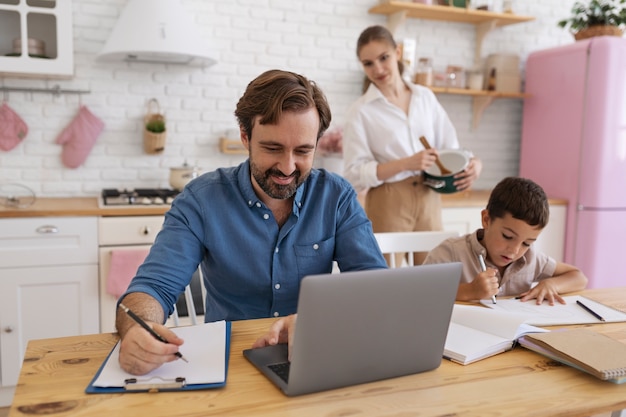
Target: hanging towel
79	137
123	267
12	128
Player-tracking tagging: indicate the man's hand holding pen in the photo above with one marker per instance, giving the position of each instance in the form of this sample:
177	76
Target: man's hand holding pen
140	352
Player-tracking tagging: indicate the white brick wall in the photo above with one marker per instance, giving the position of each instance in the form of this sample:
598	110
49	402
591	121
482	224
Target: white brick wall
316	39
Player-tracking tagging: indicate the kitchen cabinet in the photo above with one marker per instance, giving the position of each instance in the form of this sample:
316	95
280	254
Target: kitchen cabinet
36	38
484	21
551	241
48	286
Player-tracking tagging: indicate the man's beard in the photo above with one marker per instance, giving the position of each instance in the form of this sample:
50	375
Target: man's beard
277	191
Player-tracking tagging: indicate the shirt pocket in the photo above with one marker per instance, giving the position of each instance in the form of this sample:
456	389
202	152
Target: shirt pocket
315	258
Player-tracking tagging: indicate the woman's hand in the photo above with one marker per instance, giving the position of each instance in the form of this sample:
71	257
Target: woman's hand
465	178
421	161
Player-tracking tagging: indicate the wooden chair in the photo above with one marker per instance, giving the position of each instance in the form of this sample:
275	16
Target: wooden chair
187	302
396	245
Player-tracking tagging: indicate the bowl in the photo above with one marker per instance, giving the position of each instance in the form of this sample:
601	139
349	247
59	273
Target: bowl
453	159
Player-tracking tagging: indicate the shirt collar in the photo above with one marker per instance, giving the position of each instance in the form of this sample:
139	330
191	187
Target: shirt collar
373	93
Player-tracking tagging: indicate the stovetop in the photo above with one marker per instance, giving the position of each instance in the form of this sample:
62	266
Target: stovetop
137	197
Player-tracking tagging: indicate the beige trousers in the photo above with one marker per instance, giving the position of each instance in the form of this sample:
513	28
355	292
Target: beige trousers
404	206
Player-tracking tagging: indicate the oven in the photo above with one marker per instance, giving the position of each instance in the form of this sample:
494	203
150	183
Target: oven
120	233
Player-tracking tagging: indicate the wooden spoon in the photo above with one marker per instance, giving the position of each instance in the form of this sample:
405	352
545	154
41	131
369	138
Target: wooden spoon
442	169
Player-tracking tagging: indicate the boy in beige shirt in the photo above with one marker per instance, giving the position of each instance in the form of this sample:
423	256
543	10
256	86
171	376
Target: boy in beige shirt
516	214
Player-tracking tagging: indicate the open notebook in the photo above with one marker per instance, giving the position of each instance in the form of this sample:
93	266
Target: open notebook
477	333
558	314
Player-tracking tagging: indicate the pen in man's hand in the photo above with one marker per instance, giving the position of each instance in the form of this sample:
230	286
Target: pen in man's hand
483	268
148	328
590	311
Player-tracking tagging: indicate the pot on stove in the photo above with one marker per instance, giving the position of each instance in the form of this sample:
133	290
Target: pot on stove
180	176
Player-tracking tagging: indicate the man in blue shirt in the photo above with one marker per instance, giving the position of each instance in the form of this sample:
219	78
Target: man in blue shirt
256	229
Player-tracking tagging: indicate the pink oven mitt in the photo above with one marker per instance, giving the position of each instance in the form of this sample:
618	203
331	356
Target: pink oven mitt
12	128
79	137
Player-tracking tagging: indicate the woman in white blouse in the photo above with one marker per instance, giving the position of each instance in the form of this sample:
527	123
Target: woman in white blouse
382	151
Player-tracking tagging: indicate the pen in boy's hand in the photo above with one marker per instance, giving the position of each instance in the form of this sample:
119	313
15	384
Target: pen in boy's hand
483	268
148	328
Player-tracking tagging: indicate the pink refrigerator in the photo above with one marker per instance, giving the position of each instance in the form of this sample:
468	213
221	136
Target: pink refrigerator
574	146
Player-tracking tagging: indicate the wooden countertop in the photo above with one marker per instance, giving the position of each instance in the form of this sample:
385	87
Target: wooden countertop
519	382
88	206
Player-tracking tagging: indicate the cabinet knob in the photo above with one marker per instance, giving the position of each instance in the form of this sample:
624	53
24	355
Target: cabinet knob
146	231
8	329
47	229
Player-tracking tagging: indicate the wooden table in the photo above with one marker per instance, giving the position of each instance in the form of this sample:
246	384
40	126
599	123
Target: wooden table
516	383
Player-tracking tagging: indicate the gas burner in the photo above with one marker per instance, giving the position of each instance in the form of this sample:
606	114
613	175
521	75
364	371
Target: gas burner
138	197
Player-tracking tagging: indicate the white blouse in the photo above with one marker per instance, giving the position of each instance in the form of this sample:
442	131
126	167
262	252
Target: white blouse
377	131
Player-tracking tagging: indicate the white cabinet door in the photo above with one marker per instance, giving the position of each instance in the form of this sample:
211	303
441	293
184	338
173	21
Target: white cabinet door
463	220
44	302
45	25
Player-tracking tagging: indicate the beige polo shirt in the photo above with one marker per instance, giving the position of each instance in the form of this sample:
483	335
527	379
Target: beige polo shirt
518	276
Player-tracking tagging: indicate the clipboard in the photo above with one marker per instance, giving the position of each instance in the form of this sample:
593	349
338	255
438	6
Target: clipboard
207	347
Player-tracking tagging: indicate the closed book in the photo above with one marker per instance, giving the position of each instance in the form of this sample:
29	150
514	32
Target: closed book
584	349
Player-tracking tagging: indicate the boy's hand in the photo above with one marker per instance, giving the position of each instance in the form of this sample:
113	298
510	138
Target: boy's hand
544	290
484	286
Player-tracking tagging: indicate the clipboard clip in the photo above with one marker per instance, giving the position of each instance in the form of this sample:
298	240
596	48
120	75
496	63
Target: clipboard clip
154	384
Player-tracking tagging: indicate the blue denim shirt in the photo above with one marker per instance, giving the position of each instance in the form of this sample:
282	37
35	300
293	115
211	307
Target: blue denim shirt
251	267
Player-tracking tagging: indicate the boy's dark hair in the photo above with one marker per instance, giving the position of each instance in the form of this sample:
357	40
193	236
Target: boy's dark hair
276	91
522	198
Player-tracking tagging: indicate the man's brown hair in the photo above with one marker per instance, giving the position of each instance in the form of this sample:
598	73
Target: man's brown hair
276	91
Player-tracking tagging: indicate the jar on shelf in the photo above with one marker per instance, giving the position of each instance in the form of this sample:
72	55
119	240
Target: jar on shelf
424	72
456	76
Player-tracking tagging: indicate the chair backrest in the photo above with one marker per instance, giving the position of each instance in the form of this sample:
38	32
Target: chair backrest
187	299
394	243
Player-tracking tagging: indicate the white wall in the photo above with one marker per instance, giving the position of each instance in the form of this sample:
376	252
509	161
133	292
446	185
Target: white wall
316	39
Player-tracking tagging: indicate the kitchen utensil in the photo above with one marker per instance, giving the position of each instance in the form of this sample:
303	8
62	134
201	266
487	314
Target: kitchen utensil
453	158
442	168
16	196
180	176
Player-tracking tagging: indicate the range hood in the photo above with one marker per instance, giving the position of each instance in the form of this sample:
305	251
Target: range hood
158	31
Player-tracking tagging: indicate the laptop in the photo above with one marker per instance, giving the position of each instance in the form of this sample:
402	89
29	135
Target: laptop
364	326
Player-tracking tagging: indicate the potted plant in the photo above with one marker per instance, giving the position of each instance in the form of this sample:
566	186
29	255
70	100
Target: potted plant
596	18
156	126
154	134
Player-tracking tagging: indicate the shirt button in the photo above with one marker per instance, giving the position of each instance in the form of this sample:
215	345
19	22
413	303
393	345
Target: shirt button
250	202
266	216
299	204
316	246
276	250
277	286
258	204
276	314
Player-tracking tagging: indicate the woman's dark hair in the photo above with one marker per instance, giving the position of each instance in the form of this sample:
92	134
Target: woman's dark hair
276	91
522	198
376	33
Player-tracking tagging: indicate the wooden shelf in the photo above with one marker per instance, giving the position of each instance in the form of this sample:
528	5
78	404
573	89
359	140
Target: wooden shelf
481	99
448	13
477	93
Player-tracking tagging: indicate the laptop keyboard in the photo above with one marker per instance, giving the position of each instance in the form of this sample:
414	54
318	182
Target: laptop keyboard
281	369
